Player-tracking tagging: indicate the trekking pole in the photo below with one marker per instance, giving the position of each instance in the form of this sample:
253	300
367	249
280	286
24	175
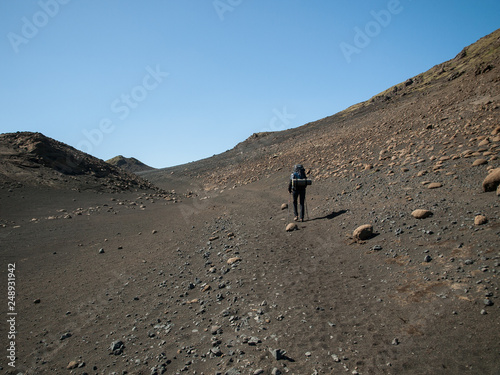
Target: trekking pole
307	211
288	214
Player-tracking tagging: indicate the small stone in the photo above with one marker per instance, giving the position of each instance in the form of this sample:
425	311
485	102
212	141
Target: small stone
284	206
291	227
67	335
421	214
101	251
488	302
275	371
479	162
480	220
434	185
395	342
72	365
254	341
278	354
427	258
117	347
216	351
154	232
258	372
233	260
215	329
38	300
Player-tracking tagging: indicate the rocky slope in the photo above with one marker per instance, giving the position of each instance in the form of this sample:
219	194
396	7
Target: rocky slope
34	159
450	109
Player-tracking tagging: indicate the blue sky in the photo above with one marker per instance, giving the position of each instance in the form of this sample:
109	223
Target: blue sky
174	81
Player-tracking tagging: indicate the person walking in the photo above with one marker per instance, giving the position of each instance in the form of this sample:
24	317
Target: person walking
297	187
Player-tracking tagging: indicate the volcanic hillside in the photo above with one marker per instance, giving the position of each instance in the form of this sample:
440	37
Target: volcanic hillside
453	104
211	282
34	159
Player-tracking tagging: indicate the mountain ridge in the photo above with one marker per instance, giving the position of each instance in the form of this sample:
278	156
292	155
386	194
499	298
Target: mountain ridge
129	164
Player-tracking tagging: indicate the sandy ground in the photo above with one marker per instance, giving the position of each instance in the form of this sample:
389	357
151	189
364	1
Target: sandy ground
163	286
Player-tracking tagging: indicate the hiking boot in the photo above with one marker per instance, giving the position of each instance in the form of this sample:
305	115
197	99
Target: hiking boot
296	218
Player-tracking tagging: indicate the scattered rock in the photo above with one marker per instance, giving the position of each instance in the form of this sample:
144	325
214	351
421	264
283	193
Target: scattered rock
427	258
72	365
421	214
364	232
206	288
492	181
434	185
291	227
65	336
480	220
278	354
479	162
284	206
488	302
101	251
233	260
254	341
117	347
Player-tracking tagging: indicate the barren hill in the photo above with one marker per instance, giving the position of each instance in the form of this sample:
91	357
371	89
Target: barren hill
458	98
132	283
129	164
34	159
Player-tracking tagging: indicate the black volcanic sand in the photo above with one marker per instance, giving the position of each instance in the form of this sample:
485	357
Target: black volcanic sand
163	286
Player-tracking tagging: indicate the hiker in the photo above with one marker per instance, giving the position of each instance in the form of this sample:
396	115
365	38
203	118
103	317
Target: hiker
297	186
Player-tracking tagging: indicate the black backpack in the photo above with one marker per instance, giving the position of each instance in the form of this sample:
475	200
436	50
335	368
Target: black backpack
299	172
299	178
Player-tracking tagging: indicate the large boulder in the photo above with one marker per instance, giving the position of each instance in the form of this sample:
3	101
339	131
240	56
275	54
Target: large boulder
421	214
492	181
364	232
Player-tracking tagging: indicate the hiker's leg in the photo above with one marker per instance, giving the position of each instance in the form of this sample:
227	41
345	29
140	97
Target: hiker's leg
302	201
295	211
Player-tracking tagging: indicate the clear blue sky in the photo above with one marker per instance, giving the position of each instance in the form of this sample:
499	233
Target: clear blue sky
173	81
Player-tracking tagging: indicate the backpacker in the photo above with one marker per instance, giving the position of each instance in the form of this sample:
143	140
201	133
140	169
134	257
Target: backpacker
299	178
